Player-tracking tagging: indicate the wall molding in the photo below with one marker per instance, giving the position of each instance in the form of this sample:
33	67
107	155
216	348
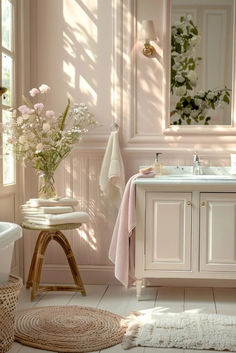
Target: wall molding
91	274
105	275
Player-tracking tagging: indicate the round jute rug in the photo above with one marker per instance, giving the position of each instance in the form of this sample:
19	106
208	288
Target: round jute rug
68	328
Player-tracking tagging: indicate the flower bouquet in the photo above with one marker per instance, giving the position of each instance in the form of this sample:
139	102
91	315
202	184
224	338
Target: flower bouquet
39	136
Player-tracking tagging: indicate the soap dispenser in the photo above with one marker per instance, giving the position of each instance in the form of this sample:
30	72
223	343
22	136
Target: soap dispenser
157	167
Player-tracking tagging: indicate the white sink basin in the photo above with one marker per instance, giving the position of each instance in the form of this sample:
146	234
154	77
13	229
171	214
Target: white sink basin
9	233
186	173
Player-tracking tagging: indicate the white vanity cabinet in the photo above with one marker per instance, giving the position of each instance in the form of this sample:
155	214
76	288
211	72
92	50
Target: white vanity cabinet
218	232
168	231
185	229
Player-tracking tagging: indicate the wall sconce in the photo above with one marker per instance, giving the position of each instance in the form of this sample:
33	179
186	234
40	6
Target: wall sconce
148	33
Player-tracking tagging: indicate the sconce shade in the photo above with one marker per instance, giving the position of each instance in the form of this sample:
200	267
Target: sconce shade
148	30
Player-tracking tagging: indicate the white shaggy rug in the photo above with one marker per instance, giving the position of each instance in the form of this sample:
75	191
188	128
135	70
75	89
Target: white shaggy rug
181	330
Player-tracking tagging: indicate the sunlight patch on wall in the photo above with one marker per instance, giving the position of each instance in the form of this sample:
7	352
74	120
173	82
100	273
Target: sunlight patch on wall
86	88
81	16
70	71
86	237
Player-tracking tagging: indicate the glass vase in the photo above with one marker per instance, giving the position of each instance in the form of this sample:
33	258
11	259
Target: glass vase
46	185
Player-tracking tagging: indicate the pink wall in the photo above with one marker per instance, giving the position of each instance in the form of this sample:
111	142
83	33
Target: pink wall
77	48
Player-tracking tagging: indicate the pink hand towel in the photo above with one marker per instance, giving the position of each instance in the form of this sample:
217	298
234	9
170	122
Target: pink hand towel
121	251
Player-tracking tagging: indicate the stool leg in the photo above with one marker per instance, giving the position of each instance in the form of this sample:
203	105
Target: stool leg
42	246
32	265
62	240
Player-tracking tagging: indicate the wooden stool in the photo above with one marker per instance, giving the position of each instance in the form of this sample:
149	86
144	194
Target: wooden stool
47	234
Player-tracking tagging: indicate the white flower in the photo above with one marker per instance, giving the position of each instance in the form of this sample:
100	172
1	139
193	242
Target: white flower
26	145
25	116
14	113
192	52
44	88
19	120
178	24
197	102
187	111
179	78
49	113
33	92
195	40
201	94
194	113
210	95
178	58
22	139
176	66
189	17
192	76
39	147
46	127
179	40
180	91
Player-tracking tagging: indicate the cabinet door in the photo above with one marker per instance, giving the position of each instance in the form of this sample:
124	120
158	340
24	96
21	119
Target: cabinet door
168	231
218	232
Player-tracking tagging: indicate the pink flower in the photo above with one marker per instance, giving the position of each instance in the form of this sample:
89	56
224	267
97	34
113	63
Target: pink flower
50	113
33	92
44	88
39	107
24	109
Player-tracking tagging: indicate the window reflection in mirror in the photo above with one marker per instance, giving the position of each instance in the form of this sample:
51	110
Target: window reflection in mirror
201	62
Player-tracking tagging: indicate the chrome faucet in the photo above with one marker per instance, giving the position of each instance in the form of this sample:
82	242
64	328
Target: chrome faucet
196	164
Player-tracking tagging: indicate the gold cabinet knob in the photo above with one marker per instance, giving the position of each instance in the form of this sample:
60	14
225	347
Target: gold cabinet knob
203	203
189	203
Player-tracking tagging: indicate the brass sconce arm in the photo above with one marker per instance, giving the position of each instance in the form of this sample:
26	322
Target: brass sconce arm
148	49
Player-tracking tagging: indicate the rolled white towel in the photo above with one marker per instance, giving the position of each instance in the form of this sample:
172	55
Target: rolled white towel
49	219
51	202
26	210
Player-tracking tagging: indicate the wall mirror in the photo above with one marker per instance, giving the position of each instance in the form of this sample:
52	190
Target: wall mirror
202	62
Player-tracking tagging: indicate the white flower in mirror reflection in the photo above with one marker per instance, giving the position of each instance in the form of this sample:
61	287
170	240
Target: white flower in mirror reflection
189	17
201	94
192	76
180	91
180	78
210	95
177	66
198	102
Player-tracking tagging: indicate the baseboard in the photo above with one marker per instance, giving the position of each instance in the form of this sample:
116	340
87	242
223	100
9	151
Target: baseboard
90	274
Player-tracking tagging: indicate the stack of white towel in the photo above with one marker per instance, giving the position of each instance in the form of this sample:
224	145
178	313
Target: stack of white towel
52	212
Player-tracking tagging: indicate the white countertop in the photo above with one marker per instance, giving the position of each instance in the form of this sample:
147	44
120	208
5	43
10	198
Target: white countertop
183	175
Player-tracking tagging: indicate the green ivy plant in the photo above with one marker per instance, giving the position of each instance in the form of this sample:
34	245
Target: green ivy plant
195	107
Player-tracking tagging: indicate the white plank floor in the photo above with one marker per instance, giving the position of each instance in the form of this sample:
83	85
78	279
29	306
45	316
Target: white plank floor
123	301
